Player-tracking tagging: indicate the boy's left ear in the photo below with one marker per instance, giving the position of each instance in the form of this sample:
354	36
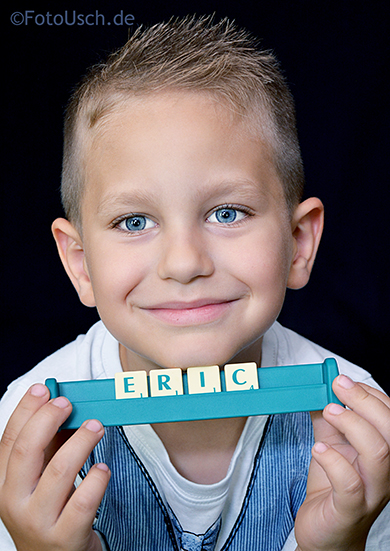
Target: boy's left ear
307	225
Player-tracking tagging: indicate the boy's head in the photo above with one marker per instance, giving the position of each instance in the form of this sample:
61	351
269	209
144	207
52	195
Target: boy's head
192	55
185	229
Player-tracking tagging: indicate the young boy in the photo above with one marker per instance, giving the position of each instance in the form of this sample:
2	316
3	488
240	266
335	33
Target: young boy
182	184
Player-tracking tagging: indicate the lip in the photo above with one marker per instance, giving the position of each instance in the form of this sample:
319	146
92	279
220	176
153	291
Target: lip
190	313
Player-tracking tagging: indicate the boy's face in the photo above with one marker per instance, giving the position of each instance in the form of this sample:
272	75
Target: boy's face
186	234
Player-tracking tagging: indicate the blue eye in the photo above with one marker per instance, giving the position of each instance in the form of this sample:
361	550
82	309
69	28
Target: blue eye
136	223
226	215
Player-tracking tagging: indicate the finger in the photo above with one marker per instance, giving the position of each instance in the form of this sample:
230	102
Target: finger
80	511
57	481
58	441
373	459
369	403
377	393
324	431
34	399
27	454
348	489
318	480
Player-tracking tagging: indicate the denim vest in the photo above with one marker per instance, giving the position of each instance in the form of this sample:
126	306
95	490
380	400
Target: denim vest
133	516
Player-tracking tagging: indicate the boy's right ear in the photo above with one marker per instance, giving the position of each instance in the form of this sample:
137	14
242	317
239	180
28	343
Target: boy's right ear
71	251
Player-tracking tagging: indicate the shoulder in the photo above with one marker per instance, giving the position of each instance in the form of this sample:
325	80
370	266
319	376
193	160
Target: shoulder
286	347
80	359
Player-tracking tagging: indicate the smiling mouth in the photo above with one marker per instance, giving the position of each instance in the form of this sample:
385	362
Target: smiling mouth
195	313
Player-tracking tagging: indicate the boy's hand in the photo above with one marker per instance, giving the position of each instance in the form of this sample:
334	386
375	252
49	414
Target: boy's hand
349	476
37	504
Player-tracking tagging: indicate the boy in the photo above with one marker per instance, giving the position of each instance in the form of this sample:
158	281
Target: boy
182	184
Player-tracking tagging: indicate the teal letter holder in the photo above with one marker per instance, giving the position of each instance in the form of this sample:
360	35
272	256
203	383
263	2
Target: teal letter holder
283	389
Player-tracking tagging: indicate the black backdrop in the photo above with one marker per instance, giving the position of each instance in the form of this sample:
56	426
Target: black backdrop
336	58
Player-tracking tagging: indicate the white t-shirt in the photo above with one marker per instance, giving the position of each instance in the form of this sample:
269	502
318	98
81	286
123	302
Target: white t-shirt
96	356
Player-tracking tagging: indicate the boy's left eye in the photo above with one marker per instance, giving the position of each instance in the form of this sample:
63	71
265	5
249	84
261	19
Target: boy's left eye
226	215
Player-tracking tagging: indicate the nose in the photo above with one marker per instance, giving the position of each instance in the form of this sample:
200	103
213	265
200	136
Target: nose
184	256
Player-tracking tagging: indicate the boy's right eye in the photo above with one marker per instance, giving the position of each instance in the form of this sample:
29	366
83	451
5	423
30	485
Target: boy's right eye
135	223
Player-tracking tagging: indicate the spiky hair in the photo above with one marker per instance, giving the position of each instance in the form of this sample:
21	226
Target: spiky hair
189	54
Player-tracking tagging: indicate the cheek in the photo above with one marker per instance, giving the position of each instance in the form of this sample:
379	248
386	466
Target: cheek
263	263
114	273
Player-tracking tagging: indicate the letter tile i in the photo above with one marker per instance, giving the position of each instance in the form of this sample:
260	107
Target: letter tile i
203	379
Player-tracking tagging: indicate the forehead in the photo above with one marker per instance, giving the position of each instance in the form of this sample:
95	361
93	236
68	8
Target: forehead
175	137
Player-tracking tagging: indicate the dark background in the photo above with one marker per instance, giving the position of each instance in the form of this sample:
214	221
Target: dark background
336	58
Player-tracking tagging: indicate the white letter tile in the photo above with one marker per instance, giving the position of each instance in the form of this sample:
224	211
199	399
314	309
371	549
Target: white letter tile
203	379
166	382
241	376
131	384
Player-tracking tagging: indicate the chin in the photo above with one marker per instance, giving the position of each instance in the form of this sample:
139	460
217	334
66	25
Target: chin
196	359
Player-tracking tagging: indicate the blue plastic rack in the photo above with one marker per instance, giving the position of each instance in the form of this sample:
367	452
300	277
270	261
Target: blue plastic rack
283	389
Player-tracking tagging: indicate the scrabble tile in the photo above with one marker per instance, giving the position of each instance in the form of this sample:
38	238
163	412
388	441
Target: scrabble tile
203	379
131	384
241	376
166	382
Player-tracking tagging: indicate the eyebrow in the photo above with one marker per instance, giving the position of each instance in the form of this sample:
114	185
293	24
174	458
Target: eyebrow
243	188
126	198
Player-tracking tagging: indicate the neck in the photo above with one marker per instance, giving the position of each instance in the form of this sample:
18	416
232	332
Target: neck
201	451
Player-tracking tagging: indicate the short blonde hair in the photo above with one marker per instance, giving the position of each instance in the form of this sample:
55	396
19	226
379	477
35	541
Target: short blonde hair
189	54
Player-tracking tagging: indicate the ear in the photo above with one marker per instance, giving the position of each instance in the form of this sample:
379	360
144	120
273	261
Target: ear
71	251
307	225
